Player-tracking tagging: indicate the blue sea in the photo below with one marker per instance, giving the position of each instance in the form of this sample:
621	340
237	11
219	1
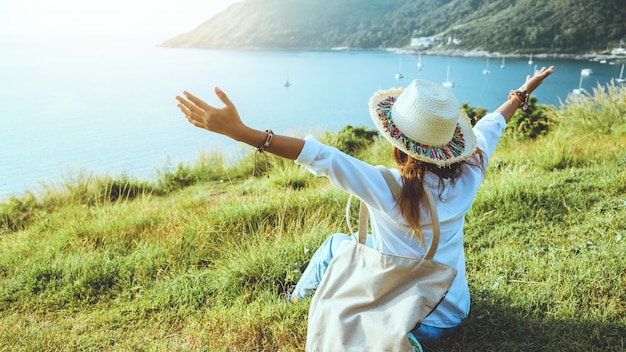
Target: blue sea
111	110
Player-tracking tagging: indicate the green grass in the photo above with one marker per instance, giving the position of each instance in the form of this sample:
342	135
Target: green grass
200	258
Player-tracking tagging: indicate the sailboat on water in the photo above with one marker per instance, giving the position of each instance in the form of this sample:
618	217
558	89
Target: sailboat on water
419	61
399	74
287	83
486	70
530	60
580	90
502	65
621	78
448	83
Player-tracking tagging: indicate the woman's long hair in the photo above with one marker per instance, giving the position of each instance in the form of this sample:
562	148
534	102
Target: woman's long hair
413	194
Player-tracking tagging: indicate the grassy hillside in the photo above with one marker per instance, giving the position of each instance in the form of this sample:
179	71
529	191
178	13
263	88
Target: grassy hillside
200	259
508	26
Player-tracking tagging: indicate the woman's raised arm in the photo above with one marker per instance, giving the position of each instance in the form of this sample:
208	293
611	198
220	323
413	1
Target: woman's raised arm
516	98
226	121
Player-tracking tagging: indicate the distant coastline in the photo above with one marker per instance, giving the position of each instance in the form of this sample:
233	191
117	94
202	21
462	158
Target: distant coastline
483	53
433	52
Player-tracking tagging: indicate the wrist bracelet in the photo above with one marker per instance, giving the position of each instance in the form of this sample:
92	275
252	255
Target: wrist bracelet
268	139
522	97
261	149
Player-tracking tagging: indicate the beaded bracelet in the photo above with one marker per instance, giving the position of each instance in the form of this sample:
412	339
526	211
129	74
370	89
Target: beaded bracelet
521	96
261	149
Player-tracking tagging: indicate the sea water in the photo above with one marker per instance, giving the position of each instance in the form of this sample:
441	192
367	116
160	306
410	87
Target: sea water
111	110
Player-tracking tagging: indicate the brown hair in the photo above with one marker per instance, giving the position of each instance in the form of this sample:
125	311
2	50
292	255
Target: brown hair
413	171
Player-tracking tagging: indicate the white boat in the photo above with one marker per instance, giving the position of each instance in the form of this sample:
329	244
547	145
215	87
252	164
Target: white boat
502	65
448	83
419	61
621	78
486	70
586	72
530	60
580	90
399	73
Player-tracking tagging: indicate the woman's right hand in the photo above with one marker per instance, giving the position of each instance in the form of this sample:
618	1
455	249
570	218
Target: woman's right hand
224	120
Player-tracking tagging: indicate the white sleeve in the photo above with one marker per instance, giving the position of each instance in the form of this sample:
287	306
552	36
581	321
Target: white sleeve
347	173
488	131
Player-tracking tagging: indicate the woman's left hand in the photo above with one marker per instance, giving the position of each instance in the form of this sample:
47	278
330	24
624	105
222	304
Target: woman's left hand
535	81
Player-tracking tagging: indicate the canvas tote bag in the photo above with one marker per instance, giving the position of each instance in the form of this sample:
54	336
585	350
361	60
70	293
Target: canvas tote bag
368	300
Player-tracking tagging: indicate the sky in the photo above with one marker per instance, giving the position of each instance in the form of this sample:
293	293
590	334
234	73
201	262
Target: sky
141	21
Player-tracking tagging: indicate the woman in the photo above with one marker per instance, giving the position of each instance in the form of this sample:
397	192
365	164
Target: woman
433	144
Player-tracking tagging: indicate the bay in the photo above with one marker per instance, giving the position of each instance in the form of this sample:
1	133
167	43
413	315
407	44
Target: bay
111	110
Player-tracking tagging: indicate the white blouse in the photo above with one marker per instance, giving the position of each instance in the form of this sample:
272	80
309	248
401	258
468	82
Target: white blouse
388	234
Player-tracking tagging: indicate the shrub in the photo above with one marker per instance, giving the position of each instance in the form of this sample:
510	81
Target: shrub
474	114
530	123
18	213
602	111
351	139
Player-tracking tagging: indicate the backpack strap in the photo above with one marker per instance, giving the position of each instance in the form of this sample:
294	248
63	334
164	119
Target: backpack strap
395	189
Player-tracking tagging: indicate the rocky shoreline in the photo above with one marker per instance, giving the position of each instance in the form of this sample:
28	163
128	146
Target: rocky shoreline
483	53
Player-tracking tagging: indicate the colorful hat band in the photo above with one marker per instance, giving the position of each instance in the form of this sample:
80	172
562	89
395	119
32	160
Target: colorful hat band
454	149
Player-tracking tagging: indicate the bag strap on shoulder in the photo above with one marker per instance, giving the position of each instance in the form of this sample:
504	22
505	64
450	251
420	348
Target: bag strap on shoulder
394	186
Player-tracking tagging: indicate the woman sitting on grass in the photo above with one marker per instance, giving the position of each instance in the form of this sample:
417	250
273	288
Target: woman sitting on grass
433	144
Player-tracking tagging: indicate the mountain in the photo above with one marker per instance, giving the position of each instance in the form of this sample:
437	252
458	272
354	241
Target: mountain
511	26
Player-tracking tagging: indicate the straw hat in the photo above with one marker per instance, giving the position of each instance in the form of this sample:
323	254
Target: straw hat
425	121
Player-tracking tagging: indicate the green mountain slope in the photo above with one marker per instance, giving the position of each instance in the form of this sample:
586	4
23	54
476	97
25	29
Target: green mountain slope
564	26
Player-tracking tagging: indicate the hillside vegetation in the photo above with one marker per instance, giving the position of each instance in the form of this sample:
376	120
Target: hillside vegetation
201	258
508	26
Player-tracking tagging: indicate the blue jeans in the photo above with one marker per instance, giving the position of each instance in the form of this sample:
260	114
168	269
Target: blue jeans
314	272
430	333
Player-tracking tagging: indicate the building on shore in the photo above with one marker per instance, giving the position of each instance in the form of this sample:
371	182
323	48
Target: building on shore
618	51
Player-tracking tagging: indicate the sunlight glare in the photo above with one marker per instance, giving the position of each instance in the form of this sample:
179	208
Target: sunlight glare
164	18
